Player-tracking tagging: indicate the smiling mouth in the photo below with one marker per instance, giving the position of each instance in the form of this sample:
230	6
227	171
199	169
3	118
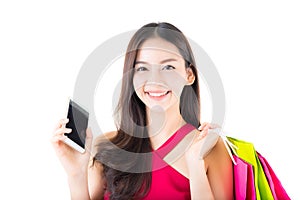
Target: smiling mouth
157	95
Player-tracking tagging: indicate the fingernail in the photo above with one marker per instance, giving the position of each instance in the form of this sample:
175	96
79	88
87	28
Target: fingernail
68	130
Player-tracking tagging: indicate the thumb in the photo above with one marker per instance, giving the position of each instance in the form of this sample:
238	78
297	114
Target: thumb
88	139
203	125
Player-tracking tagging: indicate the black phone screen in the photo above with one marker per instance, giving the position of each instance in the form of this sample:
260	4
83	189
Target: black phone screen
78	122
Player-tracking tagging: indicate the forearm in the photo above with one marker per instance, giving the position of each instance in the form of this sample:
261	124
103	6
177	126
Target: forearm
199	184
79	187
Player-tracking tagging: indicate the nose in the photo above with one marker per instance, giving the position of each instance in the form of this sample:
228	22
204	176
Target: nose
154	75
151	79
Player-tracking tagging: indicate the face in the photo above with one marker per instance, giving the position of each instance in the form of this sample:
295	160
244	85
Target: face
160	74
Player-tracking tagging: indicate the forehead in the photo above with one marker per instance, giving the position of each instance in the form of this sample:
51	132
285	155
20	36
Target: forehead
155	50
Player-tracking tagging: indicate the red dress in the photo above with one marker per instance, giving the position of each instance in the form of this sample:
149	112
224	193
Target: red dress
167	183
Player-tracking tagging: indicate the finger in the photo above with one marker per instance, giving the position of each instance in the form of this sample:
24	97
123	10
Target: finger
63	130
88	139
203	125
58	138
61	122
203	133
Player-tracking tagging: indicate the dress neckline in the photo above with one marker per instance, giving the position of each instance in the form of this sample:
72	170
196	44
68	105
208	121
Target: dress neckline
172	141
169	139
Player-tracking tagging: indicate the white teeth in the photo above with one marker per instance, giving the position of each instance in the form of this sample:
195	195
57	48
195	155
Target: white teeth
157	94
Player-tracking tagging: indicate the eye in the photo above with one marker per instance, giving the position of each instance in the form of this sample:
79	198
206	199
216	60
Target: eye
168	67
141	68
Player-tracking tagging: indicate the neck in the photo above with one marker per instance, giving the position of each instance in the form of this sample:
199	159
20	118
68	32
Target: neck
162	124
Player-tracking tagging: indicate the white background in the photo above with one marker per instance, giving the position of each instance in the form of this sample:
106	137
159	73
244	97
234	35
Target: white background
254	45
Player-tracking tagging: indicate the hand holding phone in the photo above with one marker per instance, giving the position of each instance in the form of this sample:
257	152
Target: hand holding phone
78	122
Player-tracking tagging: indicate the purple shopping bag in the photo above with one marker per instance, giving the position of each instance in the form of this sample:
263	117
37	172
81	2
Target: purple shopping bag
243	180
275	185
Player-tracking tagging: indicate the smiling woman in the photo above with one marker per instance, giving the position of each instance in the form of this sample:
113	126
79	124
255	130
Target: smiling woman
160	74
158	114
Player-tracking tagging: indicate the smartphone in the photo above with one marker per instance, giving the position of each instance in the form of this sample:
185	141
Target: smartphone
78	122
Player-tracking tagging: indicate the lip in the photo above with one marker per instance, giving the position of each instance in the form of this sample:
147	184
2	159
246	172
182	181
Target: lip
157	95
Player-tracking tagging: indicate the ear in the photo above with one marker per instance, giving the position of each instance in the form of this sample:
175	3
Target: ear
190	76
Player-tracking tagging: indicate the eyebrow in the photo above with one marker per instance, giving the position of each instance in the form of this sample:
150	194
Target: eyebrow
164	61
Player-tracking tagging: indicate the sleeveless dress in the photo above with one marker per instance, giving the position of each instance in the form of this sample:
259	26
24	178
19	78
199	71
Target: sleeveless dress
167	183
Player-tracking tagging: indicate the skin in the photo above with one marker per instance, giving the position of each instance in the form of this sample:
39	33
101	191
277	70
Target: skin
158	65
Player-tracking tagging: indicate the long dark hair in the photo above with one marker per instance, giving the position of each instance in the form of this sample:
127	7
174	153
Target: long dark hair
130	117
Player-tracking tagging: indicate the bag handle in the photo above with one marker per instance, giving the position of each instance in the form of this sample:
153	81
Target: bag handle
211	137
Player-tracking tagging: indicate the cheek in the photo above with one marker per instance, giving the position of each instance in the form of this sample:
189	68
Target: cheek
176	82
138	82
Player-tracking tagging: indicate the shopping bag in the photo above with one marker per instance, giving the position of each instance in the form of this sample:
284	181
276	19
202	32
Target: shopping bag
246	152
253	176
244	187
277	189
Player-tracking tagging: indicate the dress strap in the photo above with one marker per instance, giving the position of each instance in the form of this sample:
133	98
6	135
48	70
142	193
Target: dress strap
164	149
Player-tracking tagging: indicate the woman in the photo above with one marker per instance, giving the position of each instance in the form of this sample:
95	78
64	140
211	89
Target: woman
158	114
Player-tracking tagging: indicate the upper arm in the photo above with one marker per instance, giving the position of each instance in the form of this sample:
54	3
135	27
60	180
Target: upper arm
96	180
220	171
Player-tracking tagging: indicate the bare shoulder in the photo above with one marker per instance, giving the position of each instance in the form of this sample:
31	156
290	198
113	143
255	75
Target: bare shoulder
218	154
220	171
96	180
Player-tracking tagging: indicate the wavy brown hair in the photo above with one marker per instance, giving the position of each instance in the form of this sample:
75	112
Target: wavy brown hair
130	119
